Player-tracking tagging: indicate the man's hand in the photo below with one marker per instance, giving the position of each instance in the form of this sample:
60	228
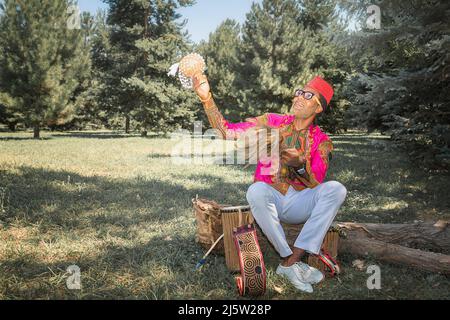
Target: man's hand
201	86
291	157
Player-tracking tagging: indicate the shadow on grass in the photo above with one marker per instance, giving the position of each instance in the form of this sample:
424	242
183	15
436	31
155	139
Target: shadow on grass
161	268
22	138
370	170
102	135
161	265
375	168
93	135
50	200
66	198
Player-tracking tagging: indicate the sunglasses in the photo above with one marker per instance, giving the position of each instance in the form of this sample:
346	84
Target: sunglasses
306	94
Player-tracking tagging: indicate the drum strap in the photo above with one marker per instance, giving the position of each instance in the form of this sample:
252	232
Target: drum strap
252	280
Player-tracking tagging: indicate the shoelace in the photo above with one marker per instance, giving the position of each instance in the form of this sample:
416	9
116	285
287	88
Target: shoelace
305	272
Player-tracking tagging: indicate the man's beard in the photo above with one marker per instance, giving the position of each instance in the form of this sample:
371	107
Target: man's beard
299	114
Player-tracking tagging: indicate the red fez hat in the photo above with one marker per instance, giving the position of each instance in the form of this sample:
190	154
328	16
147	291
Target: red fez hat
324	88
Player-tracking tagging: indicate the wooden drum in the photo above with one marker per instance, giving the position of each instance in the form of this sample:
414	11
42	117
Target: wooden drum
233	217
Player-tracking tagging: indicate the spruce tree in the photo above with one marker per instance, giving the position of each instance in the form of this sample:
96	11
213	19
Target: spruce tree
220	52
331	60
403	78
144	41
91	111
276	56
284	45
43	61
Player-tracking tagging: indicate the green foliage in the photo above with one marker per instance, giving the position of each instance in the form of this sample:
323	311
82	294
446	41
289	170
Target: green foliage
132	55
283	45
93	112
88	113
43	62
221	55
276	56
403	81
394	79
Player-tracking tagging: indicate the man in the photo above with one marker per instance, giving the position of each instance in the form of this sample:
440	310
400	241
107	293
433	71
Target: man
295	194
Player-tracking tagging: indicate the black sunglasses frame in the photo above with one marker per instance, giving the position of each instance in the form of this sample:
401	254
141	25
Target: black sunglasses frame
301	92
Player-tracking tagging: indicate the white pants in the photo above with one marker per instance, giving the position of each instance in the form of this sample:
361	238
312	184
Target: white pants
315	207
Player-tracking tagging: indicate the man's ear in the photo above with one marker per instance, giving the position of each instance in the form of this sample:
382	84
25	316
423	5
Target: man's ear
319	109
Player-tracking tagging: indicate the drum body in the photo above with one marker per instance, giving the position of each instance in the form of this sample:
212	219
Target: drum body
232	218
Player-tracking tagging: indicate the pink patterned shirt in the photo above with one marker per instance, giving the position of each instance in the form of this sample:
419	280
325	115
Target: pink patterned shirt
314	144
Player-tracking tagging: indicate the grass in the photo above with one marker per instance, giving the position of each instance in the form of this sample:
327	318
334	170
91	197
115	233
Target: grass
114	205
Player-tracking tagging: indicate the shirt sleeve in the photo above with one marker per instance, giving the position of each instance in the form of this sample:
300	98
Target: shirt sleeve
319	164
325	149
228	130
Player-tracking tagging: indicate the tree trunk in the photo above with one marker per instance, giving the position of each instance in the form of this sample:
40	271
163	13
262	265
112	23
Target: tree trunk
127	124
36	132
385	242
12	127
394	253
427	235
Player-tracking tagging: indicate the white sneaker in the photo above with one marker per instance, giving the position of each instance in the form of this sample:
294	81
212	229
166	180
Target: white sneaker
294	275
310	274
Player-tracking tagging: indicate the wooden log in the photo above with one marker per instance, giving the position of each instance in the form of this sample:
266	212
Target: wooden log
429	235
394	253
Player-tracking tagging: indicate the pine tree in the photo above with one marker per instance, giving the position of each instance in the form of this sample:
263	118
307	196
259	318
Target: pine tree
5	116
403	76
284	45
317	14
43	61
144	40
276	55
220	52
331	60
91	111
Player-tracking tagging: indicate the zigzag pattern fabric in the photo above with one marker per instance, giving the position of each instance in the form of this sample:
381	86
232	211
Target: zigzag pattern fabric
252	280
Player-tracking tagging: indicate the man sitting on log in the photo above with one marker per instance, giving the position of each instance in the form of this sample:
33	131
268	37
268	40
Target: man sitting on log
295	194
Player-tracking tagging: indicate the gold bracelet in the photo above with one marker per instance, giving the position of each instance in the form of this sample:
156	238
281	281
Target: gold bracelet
207	99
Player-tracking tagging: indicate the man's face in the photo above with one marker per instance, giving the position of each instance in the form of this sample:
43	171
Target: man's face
303	108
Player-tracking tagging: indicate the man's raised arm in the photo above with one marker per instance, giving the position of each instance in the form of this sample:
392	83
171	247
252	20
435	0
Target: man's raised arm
226	129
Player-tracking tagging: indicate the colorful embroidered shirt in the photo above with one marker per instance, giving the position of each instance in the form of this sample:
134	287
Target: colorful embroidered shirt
312	143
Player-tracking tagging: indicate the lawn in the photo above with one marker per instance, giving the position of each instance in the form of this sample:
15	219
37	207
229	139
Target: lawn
117	207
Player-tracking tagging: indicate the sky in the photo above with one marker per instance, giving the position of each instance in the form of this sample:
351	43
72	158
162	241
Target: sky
206	15
202	18
91	5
